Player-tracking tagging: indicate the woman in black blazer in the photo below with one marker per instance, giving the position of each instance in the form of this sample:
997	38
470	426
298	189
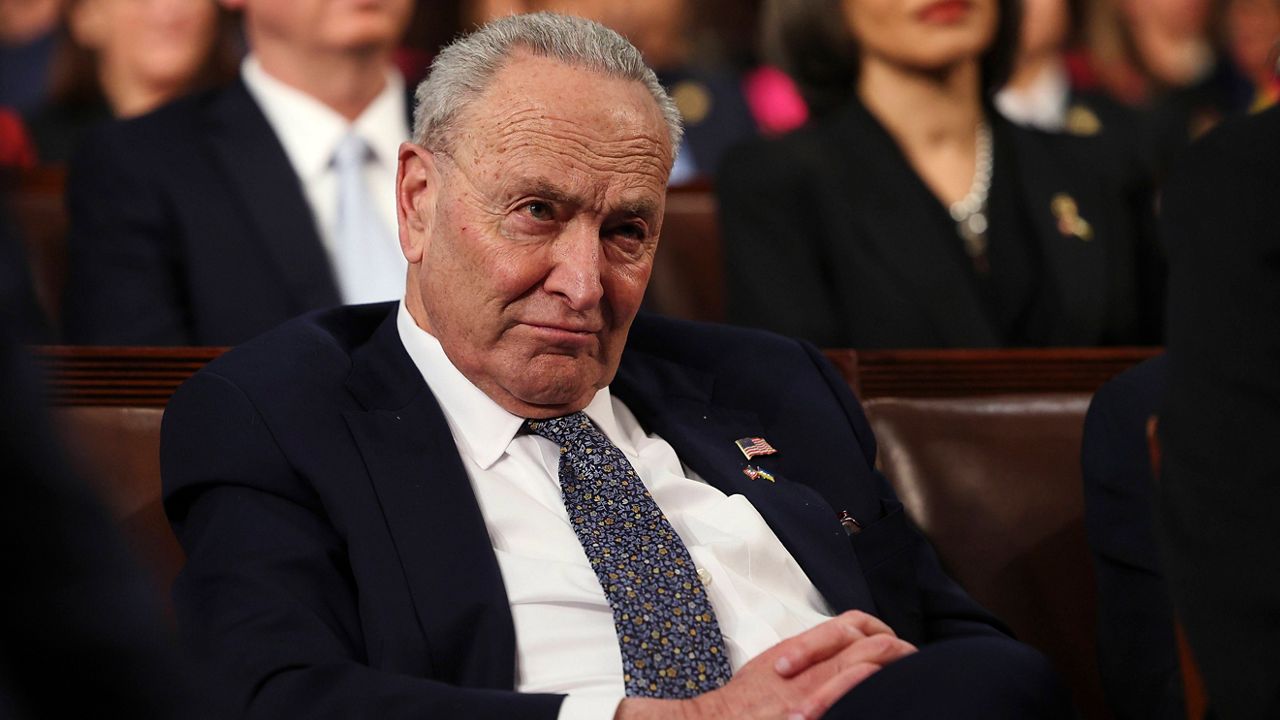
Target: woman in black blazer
910	215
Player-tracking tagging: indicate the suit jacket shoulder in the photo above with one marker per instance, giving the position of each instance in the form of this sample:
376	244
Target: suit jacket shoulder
189	226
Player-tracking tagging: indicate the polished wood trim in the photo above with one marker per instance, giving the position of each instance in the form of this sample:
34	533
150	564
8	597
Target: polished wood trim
146	377
951	373
133	376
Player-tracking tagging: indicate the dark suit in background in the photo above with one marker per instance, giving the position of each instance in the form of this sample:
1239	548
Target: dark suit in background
1219	497
339	566
189	227
832	236
1137	652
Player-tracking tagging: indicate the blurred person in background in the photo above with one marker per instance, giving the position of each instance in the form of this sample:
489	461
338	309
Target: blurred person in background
1252	32
1165	58
217	217
1044	89
1218	499
710	98
124	58
910	214
28	30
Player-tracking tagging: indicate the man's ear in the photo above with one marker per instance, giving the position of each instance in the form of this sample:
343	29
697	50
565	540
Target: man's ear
417	189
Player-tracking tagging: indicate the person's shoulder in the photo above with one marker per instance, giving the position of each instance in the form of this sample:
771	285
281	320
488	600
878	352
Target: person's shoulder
1236	148
168	131
309	353
708	345
791	155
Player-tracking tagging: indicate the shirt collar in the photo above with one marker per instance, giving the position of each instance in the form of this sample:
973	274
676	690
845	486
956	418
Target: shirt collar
481	427
309	130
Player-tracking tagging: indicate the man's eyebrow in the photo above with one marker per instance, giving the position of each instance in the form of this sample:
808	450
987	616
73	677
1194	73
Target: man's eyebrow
546	189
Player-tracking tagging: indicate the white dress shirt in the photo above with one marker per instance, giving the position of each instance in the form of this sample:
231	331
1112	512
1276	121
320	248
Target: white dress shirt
310	131
565	637
1042	105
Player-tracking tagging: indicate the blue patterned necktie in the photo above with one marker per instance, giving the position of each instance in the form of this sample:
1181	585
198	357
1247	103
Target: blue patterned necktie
667	631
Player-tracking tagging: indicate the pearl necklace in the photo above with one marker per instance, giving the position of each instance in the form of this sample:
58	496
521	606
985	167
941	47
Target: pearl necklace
970	211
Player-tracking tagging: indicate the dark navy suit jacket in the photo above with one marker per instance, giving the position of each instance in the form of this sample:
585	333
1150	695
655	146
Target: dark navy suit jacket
339	566
188	226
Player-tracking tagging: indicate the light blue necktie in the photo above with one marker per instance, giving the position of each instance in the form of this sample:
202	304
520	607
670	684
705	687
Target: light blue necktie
367	261
667	630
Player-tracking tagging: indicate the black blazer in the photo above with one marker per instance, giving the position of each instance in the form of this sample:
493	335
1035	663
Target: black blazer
1219	496
831	236
338	564
189	227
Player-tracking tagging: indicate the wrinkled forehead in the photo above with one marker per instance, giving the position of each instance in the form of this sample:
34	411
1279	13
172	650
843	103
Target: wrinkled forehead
541	117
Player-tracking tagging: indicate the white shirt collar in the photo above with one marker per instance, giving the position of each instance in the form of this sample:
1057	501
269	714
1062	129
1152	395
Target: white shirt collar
482	428
309	130
1043	105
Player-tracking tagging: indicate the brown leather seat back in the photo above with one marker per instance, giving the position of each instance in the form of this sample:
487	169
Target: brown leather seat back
995	484
117	449
688	277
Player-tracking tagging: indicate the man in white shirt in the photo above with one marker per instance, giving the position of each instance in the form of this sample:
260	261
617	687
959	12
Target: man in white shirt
474	504
222	215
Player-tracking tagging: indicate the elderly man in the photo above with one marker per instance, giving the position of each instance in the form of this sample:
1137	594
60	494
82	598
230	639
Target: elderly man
504	498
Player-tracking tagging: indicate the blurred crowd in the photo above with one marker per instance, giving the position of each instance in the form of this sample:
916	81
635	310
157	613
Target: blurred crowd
904	174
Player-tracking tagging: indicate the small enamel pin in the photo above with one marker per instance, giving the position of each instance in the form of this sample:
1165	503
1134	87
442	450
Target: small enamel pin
752	447
1068	214
757	473
851	526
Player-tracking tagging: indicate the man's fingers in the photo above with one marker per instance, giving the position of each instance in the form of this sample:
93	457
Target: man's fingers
815	645
850	667
821	699
868	624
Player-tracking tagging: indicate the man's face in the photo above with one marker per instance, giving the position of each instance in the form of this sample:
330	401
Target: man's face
326	25
531	238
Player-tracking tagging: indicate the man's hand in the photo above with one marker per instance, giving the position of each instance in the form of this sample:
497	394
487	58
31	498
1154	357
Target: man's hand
799	678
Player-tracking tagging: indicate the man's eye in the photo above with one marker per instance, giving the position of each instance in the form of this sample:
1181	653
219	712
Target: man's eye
540	211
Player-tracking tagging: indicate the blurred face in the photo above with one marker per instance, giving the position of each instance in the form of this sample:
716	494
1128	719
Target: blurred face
1177	18
326	25
531	238
1045	25
655	27
922	34
161	44
1253	30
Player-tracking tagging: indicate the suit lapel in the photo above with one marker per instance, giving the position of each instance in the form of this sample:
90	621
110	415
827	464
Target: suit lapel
433	516
1076	263
259	173
675	403
885	201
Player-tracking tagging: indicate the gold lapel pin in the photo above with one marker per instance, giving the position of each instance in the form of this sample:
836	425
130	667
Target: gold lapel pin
757	473
1068	214
1082	121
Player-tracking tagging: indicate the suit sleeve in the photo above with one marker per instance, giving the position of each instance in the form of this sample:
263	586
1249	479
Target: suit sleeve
123	280
267	595
909	580
1218	496
774	270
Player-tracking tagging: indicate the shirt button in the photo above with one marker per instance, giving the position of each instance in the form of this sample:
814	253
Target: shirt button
704	576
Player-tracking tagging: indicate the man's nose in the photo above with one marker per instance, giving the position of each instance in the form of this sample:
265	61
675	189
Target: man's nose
575	269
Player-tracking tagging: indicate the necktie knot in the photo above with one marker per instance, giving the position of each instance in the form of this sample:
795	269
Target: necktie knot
561	430
351	152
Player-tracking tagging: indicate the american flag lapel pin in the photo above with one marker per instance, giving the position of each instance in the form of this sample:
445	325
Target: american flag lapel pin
757	473
753	446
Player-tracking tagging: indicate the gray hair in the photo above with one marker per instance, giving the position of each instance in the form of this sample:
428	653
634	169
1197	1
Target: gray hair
464	68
